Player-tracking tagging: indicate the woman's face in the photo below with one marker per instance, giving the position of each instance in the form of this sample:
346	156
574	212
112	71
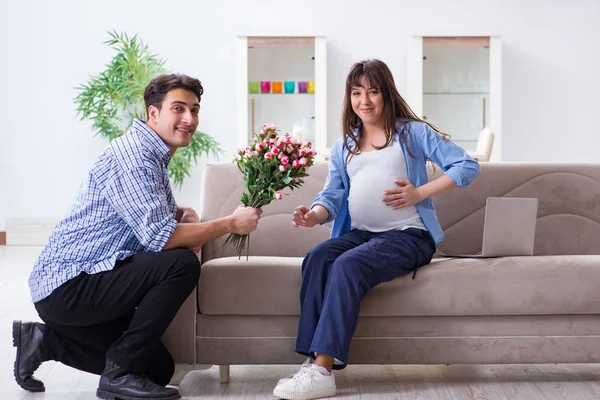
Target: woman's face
367	103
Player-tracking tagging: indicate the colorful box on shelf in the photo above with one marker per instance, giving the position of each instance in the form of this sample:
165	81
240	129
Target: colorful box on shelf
289	86
252	87
302	87
277	87
265	86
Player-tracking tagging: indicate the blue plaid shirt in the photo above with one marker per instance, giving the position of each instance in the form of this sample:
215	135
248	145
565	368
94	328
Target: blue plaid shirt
124	207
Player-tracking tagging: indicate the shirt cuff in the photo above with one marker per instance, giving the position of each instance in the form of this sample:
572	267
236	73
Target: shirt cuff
329	207
457	177
161	239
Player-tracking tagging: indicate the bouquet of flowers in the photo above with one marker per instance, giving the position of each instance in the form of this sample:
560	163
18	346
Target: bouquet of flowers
269	165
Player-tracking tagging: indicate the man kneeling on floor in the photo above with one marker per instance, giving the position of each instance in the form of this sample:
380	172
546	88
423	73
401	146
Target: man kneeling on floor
121	263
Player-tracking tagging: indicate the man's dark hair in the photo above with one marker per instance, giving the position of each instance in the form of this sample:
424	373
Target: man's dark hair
157	89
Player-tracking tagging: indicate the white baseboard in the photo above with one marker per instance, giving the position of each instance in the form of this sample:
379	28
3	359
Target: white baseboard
29	231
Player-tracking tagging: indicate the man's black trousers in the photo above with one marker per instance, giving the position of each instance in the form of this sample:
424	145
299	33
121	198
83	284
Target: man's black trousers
120	314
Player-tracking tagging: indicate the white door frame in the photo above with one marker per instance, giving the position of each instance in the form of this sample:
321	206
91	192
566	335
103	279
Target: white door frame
241	91
414	84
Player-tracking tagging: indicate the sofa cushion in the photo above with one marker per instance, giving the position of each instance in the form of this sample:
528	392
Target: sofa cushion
497	286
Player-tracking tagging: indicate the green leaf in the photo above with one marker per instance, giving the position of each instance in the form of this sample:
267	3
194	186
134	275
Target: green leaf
245	199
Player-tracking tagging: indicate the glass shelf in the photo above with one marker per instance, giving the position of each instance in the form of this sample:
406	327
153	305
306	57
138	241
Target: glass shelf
454	93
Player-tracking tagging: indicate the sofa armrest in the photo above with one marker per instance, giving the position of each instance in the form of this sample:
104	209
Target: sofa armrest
180	336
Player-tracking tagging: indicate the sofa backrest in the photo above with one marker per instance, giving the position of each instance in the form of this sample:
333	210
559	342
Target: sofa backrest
568	211
222	187
568	214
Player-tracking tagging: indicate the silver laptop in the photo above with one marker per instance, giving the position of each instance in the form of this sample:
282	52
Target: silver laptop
508	228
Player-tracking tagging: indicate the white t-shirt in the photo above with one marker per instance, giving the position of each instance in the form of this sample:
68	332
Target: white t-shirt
371	174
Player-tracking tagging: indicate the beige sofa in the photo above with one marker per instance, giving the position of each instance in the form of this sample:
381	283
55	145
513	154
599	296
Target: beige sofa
540	309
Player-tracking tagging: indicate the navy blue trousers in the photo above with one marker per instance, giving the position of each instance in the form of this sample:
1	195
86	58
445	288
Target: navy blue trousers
338	273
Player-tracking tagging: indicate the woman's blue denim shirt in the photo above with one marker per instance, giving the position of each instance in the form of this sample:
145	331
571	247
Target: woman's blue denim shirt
425	144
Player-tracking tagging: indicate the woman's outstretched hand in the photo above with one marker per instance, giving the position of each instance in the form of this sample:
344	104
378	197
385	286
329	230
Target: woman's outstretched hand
304	216
404	195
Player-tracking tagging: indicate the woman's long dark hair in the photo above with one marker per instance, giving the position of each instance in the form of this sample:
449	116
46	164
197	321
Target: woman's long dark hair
395	108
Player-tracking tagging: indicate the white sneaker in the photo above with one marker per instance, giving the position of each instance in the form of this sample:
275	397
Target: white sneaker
306	384
305	364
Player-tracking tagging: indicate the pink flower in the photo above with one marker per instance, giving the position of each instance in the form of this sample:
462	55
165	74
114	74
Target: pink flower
248	149
285	160
274	150
287	139
296	164
266	143
282	167
301	152
309	152
278	196
259	147
308	144
303	161
268	156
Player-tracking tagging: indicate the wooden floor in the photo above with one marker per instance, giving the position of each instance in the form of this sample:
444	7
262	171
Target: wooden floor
528	382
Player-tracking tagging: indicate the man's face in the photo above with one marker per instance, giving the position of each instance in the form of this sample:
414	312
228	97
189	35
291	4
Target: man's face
177	120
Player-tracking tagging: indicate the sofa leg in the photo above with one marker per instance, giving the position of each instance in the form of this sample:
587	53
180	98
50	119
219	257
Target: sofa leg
181	371
224	373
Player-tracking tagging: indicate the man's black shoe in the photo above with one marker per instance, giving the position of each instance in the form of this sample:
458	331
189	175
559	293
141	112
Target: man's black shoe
118	383
27	338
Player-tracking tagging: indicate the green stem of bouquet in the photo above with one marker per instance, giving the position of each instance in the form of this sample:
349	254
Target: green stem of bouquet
239	242
248	248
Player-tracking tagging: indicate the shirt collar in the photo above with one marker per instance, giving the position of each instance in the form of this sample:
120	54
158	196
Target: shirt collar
154	141
400	129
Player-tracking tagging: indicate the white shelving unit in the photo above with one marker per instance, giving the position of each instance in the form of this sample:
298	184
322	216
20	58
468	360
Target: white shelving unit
283	105
488	97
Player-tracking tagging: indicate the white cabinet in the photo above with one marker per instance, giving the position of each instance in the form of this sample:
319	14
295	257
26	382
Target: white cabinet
265	65
454	82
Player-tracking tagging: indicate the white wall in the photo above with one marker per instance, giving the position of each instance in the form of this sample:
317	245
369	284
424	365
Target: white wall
551	59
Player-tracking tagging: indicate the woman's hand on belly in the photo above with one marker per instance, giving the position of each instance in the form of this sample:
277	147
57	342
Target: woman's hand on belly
403	195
